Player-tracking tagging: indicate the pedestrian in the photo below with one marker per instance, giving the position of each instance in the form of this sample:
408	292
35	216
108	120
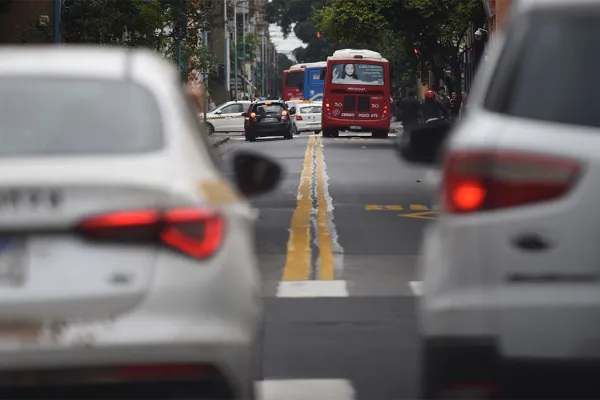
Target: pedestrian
410	110
445	101
432	107
454	107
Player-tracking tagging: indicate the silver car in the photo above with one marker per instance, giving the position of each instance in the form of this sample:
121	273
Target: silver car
126	257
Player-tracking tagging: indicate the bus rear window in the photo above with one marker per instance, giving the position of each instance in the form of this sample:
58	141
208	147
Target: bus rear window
356	73
295	80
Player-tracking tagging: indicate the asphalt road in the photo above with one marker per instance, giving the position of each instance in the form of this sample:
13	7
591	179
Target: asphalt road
337	243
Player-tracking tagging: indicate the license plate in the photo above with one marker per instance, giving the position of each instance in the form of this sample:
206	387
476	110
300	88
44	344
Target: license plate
354	127
12	269
270	120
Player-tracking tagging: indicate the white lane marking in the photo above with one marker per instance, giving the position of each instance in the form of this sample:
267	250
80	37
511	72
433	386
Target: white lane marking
416	287
336	247
312	289
305	389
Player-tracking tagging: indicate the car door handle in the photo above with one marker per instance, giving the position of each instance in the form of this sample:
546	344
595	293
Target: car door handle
532	242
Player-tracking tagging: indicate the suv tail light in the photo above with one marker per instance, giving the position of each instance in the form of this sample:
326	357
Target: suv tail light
482	181
298	117
192	231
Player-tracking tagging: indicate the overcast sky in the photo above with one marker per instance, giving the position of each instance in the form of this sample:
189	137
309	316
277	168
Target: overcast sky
284	46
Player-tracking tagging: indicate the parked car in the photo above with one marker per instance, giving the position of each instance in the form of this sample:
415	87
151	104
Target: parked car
511	267
126	257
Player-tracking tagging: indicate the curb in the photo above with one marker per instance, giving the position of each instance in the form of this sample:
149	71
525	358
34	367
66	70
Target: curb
219	142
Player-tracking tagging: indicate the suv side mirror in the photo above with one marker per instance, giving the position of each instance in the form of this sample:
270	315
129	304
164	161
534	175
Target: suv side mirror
292	110
255	174
422	144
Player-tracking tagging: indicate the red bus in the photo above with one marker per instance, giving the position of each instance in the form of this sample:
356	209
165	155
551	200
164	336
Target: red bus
293	83
357	94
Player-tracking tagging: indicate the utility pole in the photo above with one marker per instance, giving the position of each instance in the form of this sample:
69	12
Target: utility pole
245	2
57	20
226	54
235	58
262	59
204	75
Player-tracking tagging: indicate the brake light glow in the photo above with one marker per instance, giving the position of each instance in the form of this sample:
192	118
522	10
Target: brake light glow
284	112
253	115
298	117
192	231
484	181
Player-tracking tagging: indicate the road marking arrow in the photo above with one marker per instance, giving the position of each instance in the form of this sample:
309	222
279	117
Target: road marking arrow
421	215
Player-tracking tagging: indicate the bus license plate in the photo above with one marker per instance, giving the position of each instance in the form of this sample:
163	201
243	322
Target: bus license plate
354	127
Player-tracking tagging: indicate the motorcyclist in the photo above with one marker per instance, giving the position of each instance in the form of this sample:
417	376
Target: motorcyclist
432	108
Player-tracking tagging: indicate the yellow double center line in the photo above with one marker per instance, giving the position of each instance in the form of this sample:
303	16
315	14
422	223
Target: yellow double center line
309	216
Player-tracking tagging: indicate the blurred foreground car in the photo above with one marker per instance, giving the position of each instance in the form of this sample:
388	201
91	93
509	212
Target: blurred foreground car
125	255
511	268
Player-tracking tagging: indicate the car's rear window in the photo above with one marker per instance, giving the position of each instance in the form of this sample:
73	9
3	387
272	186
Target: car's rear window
556	74
50	116
310	110
271	108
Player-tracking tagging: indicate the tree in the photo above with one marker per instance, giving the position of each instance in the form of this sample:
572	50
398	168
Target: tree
435	28
297	15
252	45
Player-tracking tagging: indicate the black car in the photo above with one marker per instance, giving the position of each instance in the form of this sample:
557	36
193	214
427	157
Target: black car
268	118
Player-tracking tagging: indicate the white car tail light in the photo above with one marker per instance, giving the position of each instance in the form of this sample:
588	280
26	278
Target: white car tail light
489	180
195	232
298	117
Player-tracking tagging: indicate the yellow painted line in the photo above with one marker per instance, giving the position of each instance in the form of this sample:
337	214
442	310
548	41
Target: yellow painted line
297	260
421	215
219	193
373	207
326	271
418	207
394	208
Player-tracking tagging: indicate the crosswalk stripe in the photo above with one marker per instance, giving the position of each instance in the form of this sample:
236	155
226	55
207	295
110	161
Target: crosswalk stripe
315	288
305	389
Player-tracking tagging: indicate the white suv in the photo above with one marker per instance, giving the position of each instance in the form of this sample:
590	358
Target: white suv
511	268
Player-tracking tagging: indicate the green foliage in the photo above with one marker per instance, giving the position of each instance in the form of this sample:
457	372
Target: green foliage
298	15
155	24
396	27
359	21
253	43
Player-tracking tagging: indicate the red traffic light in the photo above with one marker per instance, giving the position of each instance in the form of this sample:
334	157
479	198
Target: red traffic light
319	35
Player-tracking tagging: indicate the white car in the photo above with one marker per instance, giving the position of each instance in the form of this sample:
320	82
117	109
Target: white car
511	267
227	117
125	254
307	118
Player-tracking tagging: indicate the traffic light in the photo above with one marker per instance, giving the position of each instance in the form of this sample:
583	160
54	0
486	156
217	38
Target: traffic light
319	35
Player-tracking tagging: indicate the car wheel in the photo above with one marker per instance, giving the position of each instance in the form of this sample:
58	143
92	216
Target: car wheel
317	132
209	129
288	134
295	130
251	138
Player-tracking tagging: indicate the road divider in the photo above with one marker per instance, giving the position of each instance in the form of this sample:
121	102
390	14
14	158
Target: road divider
313	251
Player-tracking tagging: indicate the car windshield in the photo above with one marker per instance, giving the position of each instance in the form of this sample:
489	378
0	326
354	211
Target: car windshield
357	73
555	69
49	116
310	110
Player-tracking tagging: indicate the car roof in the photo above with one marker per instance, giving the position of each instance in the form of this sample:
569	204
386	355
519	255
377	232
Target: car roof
71	61
529	5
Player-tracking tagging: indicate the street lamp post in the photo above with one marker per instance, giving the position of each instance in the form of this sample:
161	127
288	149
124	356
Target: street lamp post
244	42
235	60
